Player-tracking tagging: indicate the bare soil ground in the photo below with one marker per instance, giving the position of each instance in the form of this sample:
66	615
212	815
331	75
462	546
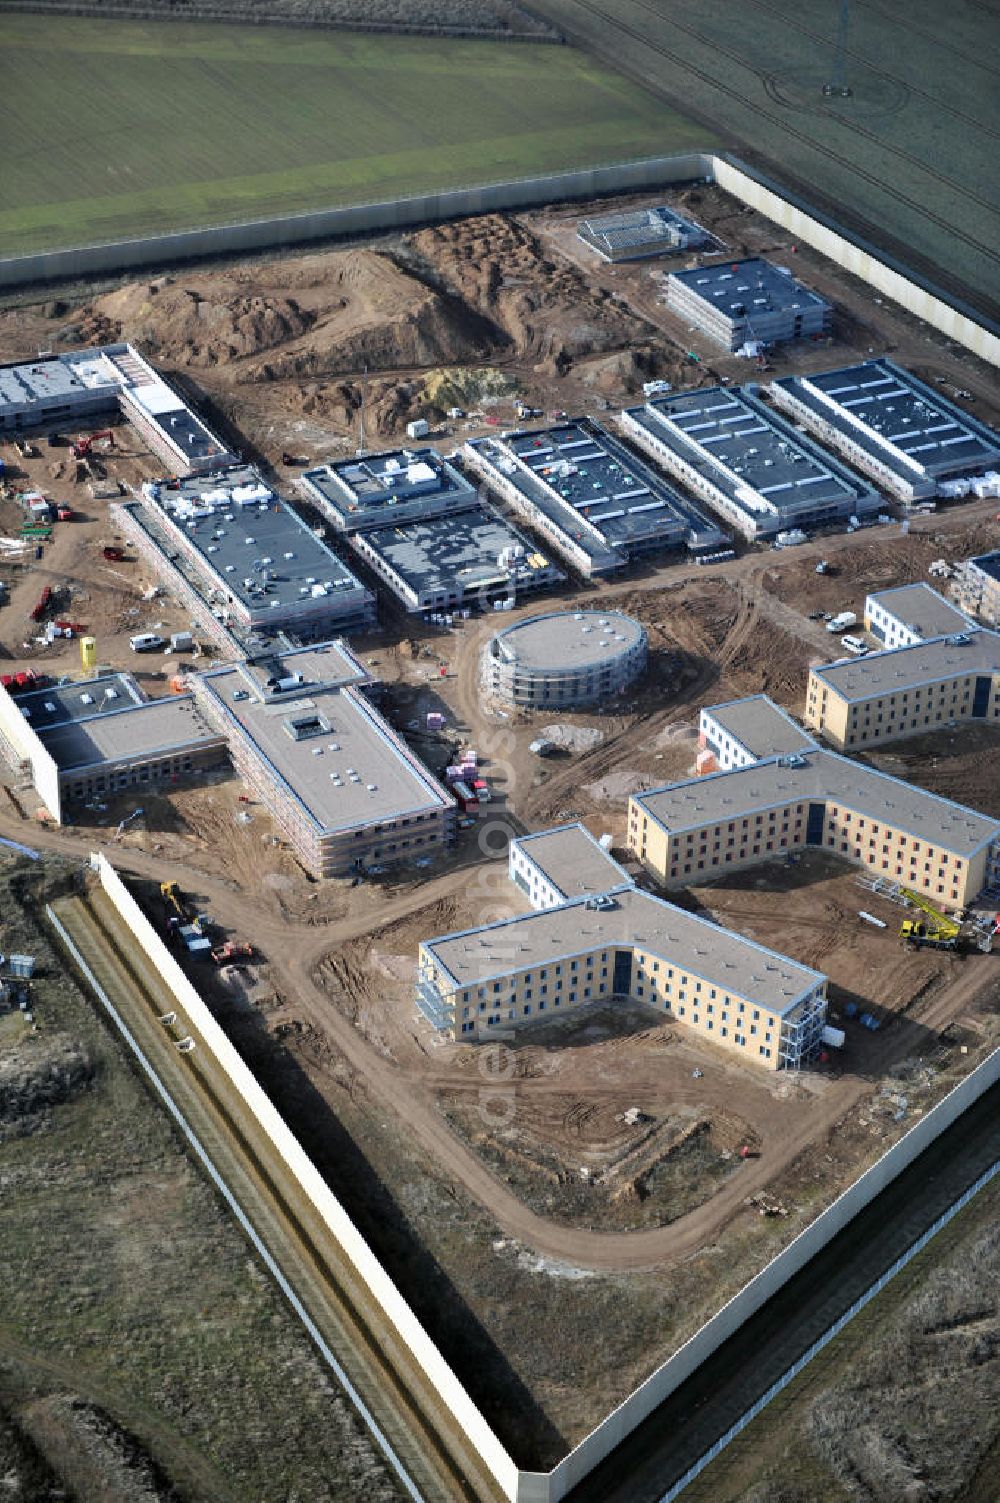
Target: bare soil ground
484	1218
959	764
281	343
104	598
900	1405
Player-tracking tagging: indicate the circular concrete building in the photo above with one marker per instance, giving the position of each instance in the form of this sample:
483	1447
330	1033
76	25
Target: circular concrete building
564	659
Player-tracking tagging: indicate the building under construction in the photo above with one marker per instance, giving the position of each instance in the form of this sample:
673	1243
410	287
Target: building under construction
635	234
747	462
344	789
593	500
240	556
82	385
747	302
890	425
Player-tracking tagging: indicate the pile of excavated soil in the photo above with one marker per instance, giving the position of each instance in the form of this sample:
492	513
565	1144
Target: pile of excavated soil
319	315
547	310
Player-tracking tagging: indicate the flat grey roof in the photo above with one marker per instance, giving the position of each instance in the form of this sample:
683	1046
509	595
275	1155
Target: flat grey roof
905	424
334	753
922	609
459	550
989	563
24	383
577	472
261	552
970	652
81	700
751	454
160	725
751	286
568	639
759	725
322	665
573	861
825	777
638	919
401	482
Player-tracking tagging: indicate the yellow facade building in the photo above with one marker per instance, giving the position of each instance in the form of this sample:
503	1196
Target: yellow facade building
620	944
862	703
697	830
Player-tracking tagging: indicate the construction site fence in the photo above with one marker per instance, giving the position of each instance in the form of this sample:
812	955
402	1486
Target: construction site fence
303	1173
597	1446
237	1210
856	256
828	1335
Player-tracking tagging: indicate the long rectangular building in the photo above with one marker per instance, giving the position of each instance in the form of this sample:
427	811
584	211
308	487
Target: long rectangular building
746	462
342	786
91	739
84	385
260	569
890	424
861	703
760	1005
591	498
702	828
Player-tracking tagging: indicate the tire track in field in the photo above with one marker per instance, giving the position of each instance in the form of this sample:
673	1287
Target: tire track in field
783	125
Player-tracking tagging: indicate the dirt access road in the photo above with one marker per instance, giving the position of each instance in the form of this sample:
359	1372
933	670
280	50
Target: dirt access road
409	1093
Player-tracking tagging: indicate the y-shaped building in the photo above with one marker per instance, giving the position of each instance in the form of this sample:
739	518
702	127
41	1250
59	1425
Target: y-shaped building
594	936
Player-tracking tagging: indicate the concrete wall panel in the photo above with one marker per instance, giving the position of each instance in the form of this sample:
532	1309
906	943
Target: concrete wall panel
862	261
312	1184
660	1384
360	219
18	735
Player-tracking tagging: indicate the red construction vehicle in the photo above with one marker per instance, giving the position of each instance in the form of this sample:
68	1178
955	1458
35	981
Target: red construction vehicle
114	554
41	604
83	446
233	952
65	514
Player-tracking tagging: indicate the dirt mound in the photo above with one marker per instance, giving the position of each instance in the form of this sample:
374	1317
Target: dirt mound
547	310
312	316
36	1076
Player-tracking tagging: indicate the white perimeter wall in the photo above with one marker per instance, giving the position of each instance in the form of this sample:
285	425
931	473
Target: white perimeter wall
311	1183
552	1486
44	772
858	260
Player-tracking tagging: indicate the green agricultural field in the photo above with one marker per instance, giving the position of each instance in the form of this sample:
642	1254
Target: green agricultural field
112	129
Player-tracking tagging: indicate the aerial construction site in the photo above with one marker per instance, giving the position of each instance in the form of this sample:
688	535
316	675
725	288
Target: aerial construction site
502	719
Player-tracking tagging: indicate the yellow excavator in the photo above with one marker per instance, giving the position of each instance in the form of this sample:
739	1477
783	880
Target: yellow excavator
935	931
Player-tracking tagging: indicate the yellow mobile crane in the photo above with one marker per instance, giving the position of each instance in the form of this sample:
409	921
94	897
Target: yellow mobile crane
936	931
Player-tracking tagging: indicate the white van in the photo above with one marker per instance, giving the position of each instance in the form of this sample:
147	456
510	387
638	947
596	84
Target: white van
856	645
146	641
